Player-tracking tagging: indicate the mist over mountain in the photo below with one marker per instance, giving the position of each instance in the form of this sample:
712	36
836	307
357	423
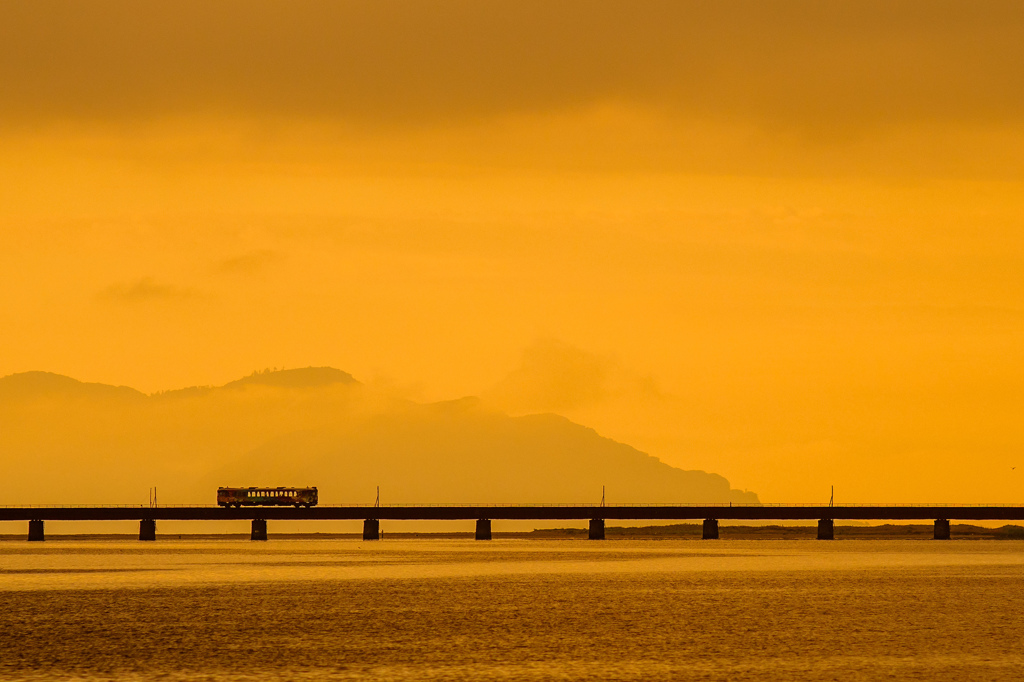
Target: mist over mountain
64	441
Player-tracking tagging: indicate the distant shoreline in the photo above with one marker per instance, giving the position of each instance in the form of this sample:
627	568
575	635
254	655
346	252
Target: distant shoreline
682	531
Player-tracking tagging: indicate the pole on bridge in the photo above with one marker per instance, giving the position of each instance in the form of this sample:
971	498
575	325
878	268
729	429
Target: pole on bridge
371	529
941	529
710	530
147	529
596	529
826	529
483	529
35	531
259	530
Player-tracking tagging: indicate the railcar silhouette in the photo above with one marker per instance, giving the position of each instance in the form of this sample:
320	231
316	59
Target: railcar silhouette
267	497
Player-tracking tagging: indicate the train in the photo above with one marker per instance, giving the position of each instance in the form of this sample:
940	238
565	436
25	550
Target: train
267	497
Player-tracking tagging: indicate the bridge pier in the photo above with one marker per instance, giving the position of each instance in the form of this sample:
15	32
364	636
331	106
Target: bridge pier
35	531
826	529
259	530
596	529
710	530
371	529
941	529
147	530
483	529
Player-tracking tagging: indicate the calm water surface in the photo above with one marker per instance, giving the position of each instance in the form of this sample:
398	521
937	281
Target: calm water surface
512	610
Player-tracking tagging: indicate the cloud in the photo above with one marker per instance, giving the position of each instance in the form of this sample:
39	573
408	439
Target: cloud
786	63
556	377
249	263
145	289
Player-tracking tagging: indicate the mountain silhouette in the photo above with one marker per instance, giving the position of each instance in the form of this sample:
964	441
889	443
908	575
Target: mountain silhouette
33	385
65	441
304	377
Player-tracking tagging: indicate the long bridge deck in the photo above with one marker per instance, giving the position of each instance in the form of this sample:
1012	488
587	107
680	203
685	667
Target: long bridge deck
371	516
526	512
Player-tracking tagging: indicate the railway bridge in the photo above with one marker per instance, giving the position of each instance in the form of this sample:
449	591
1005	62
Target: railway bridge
372	515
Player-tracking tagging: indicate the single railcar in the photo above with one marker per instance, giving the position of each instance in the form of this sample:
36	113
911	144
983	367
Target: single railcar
267	497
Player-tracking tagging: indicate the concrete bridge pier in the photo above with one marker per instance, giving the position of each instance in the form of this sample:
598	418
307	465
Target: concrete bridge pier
826	529
483	529
710	531
35	531
147	530
596	529
941	529
371	529
259	529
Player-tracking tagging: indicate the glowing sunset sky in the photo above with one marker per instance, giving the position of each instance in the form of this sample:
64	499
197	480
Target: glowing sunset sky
778	240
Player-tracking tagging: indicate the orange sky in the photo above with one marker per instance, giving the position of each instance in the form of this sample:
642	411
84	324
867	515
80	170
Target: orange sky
780	241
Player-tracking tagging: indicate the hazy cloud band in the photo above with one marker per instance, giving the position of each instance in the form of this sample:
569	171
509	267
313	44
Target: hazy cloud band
800	63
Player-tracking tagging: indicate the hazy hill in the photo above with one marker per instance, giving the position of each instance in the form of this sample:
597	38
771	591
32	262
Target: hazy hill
42	385
303	377
66	441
